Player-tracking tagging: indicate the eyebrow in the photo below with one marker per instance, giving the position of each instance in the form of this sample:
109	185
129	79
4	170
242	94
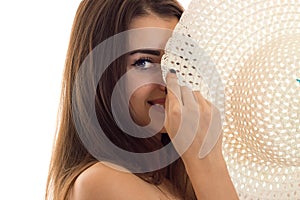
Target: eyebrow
146	51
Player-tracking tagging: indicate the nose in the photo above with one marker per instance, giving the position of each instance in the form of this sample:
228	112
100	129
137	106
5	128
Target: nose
162	85
163	88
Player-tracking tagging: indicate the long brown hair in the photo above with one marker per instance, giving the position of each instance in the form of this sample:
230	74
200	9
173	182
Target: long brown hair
96	21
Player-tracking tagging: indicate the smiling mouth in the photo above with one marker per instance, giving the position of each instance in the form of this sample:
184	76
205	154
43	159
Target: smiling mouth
157	102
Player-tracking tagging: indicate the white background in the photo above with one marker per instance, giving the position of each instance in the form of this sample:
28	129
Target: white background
34	36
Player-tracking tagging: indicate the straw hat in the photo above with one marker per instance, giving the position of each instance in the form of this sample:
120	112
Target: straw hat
252	49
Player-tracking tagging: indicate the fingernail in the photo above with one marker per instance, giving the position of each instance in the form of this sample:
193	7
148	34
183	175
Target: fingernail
172	71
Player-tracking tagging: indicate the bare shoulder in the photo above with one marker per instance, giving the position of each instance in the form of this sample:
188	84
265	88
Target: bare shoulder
103	182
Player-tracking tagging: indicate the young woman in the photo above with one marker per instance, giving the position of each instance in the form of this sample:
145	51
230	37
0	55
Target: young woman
77	174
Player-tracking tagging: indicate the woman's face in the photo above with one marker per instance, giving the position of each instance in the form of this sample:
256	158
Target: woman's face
145	64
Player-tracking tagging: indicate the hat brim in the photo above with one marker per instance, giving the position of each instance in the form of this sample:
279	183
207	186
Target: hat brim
255	47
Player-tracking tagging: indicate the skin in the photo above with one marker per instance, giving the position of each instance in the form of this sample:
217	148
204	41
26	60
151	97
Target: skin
151	94
209	176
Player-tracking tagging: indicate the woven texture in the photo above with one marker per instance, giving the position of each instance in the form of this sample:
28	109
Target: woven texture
255	48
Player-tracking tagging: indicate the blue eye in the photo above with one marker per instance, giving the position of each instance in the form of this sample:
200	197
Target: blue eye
144	63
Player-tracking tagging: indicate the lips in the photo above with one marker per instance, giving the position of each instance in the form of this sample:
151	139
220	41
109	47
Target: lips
160	101
158	105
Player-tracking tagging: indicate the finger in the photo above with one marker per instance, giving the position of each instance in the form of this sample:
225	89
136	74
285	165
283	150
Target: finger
188	97
213	134
201	100
174	91
166	107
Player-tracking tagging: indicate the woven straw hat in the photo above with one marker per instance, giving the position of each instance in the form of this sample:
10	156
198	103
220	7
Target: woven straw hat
253	47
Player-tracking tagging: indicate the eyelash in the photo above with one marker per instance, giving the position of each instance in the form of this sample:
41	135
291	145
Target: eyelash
142	62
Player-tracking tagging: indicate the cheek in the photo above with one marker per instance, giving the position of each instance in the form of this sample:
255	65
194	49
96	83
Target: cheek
139	97
139	107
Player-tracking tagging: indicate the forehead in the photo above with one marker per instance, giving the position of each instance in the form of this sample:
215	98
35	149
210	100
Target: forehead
153	21
150	31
